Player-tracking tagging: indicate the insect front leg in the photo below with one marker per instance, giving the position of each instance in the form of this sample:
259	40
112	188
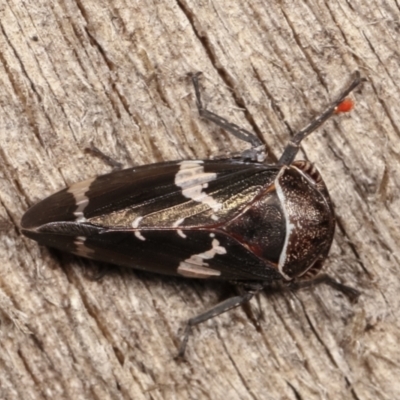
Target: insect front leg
220	308
351	293
257	147
96	152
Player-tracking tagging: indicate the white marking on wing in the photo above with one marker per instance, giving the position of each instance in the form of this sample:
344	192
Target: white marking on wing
181	234
178	222
192	179
195	267
196	271
179	231
136	222
139	235
79	190
81	248
135	225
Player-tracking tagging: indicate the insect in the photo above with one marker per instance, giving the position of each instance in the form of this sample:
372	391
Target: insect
239	220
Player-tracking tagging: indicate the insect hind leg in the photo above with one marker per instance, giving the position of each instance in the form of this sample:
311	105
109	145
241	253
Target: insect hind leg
256	153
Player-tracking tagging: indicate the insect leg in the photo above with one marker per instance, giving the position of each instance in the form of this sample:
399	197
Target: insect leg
293	146
233	129
93	150
326	279
220	308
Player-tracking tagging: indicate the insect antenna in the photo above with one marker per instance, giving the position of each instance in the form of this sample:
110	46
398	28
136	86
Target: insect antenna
293	146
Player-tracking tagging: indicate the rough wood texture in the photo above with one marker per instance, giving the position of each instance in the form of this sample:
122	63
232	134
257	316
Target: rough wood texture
113	72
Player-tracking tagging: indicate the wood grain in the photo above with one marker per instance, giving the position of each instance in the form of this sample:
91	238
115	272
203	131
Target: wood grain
114	73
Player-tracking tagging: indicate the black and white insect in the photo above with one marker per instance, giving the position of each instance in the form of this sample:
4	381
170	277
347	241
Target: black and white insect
237	219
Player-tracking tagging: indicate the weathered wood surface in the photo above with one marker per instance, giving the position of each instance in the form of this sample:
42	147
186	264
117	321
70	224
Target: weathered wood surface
114	73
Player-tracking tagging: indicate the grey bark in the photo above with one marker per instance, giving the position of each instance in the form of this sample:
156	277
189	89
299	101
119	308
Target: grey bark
113	73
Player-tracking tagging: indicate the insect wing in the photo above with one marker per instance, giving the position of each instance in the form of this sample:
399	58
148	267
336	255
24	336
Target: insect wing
161	217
